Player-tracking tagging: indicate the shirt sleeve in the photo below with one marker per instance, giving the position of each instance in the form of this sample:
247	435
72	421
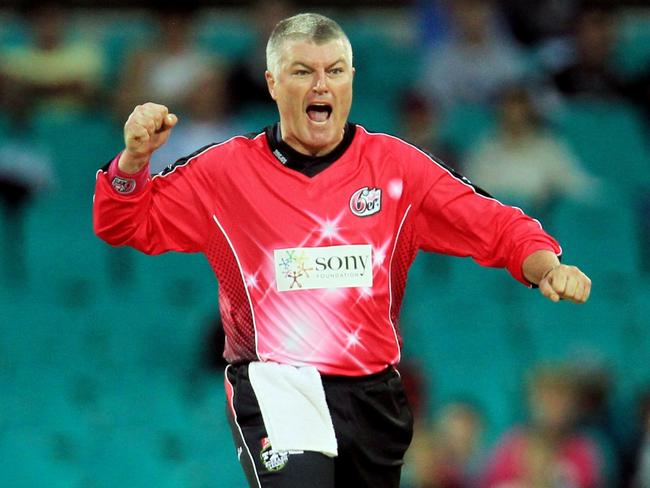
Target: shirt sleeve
166	212
459	219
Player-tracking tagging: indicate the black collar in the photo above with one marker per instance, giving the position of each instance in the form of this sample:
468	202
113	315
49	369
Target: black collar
307	165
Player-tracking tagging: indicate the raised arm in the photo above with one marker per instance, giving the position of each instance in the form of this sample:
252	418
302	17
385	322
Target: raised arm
165	213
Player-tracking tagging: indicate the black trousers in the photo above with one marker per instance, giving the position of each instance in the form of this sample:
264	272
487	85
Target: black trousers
372	421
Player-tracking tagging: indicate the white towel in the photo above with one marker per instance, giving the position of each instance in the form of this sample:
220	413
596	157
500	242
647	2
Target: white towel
293	406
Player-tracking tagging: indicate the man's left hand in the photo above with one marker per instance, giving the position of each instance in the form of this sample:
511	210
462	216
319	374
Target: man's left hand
565	282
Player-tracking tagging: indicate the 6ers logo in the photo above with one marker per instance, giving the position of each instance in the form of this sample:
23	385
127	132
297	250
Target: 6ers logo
365	201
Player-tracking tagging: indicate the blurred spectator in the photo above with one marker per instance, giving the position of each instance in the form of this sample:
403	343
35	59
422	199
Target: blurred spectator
545	27
420	125
433	21
25	169
591	73
474	63
454	454
535	22
164	69
548	452
523	163
594	384
53	72
417	395
413	381
247	84
204	119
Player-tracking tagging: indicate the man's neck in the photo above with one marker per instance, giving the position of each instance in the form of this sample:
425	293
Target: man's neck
298	146
303	161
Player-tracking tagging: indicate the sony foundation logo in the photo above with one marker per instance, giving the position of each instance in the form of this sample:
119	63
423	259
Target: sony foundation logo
309	268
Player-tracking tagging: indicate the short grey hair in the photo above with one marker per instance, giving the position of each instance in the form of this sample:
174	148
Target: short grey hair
303	27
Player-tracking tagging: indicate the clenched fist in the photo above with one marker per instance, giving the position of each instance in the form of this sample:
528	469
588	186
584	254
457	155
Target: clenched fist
566	283
556	281
147	128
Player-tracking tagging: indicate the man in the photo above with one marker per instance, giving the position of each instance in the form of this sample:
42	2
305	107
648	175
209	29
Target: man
310	227
51	72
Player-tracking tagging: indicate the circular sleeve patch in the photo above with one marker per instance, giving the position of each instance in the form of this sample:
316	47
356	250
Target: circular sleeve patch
123	185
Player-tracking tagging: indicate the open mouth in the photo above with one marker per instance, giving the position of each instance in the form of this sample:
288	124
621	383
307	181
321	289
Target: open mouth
319	112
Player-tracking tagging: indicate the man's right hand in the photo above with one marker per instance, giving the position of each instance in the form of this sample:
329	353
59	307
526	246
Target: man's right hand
147	128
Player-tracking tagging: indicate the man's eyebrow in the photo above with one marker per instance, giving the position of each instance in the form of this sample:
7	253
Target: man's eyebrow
340	60
300	63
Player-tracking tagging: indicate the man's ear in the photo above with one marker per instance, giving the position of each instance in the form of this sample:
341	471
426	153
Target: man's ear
270	83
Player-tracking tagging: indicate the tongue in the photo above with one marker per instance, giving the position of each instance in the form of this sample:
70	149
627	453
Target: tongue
317	115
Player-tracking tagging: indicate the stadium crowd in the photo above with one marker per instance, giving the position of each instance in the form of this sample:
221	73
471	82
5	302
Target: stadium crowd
492	89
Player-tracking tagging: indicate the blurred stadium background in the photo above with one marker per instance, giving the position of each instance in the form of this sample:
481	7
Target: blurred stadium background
108	374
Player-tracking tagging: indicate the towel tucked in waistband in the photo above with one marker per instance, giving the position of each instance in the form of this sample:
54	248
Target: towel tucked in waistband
293	406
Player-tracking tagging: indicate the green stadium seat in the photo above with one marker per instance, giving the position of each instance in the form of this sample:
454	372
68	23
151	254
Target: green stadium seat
80	144
398	65
633	47
561	331
485	363
463	344
126	457
376	115
254	117
45	335
636	335
478	283
609	139
380	81
26	461
177	280
13	32
465	125
600	237
119	34
66	260
229	36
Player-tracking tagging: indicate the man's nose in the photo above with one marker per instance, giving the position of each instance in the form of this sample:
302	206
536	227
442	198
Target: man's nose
320	83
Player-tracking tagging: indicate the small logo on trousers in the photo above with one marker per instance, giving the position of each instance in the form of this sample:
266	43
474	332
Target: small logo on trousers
271	459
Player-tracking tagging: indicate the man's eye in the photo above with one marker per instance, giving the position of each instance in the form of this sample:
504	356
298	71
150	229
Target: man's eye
301	72
336	71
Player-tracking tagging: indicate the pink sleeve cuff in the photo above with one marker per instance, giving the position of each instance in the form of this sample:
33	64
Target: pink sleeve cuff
125	183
